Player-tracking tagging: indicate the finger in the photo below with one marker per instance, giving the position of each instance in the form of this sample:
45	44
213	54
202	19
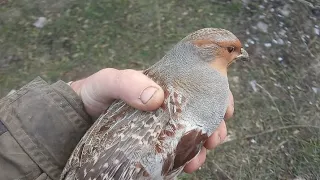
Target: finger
196	162
131	86
230	109
217	137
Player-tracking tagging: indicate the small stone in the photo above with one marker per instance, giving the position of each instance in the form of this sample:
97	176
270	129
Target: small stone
281	24
282	32
296	132
253	85
316	30
41	22
289	43
285	10
267	45
253	141
274	41
277	85
262	26
280	41
250	41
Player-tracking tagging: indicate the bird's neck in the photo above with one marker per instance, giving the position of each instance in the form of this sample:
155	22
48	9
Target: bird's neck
220	66
182	66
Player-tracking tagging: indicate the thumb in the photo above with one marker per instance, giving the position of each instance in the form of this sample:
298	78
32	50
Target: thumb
133	87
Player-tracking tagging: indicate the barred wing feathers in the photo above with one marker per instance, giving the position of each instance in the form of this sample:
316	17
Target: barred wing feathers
113	146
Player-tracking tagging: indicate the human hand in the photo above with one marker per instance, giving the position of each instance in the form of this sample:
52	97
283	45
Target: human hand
99	90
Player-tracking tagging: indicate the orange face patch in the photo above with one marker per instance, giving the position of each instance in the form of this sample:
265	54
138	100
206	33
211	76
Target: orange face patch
223	58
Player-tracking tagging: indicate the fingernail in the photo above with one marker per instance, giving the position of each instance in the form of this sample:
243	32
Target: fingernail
147	94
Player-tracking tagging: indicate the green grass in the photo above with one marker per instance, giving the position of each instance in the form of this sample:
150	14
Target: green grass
275	131
84	36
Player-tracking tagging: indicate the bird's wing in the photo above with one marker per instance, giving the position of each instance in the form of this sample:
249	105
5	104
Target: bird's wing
112	147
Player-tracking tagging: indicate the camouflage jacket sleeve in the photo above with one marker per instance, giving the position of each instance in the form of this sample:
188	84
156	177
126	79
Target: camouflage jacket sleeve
40	125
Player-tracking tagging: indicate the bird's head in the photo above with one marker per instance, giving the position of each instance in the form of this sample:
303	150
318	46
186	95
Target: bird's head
218	47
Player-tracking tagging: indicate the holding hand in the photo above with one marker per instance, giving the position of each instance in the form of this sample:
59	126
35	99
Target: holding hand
99	90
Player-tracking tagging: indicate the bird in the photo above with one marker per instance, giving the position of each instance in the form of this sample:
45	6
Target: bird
126	143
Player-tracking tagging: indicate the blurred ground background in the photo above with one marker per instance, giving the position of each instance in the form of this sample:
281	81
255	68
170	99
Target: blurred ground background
275	131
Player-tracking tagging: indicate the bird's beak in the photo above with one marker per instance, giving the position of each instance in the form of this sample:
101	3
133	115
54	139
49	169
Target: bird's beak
244	56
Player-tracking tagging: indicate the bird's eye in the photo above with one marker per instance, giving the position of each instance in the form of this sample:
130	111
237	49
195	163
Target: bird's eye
230	49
